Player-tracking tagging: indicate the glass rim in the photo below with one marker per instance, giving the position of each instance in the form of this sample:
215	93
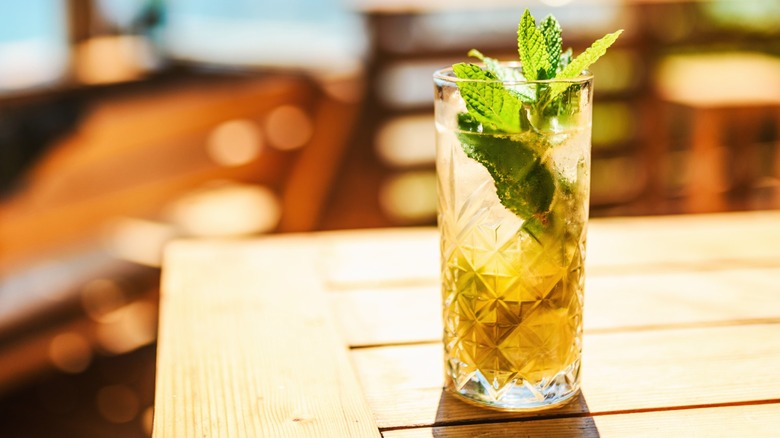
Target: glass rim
447	74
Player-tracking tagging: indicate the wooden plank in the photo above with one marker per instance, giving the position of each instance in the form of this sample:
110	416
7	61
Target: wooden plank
669	299
612	302
725	421
247	346
643	370
398	257
651	244
383	258
388	316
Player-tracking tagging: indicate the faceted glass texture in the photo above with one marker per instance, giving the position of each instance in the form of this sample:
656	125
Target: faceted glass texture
512	299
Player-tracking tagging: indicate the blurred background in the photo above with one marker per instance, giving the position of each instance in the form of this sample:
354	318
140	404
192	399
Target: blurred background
127	123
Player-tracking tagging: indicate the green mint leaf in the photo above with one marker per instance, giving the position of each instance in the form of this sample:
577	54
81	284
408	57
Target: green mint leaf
502	72
526	93
551	30
488	102
524	183
582	62
532	48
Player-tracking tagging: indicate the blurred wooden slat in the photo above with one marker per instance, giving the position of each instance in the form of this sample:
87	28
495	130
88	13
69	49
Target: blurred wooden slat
632	371
134	154
235	360
28	235
754	421
310	180
153	134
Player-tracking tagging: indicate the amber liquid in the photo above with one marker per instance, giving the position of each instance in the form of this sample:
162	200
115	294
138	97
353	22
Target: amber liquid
512	302
506	322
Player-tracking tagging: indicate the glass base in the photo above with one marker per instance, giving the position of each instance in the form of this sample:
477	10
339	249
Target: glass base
514	396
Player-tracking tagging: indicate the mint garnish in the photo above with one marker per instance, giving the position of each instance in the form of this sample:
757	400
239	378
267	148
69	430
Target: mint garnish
487	100
506	74
532	47
523	183
553	41
503	126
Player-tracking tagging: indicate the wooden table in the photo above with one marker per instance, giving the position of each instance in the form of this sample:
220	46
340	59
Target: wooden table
338	334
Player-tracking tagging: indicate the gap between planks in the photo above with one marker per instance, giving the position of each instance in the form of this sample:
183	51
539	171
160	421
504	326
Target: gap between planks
583	415
755	420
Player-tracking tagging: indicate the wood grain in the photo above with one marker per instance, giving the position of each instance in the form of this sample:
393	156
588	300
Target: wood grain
625	371
247	347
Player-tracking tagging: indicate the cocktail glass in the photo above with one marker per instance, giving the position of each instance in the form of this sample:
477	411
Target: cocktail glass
512	280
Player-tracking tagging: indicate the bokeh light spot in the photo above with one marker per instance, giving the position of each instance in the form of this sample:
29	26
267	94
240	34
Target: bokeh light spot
407	141
235	143
70	352
138	240
117	403
225	210
129	327
288	127
147	420
410	196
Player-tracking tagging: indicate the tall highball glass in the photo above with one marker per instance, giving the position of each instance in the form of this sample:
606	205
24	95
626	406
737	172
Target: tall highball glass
512	279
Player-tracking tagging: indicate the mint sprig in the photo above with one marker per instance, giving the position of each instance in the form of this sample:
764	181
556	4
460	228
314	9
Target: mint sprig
532	47
500	129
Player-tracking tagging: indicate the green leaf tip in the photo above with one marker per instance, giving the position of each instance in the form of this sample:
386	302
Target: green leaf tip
589	56
532	48
584	60
551	30
474	53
